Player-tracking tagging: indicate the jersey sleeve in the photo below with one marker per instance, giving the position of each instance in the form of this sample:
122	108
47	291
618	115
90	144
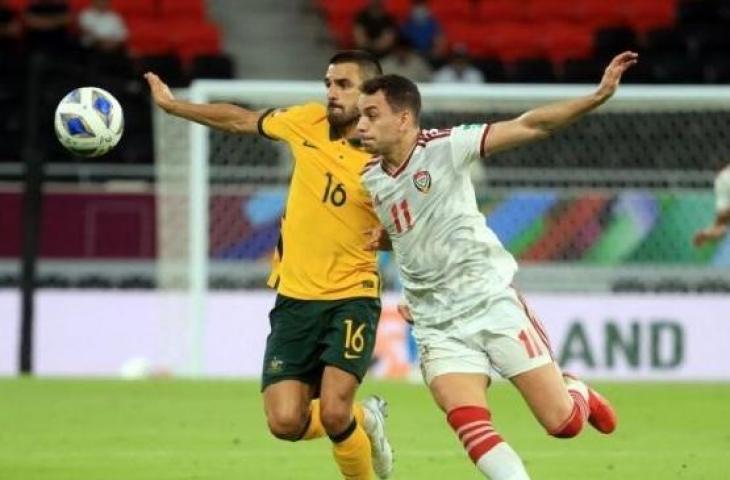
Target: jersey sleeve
722	190
277	123
467	144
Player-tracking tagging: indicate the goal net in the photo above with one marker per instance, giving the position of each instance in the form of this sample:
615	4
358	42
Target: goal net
614	198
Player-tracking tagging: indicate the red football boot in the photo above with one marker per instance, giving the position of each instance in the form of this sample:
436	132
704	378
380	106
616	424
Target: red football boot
601	415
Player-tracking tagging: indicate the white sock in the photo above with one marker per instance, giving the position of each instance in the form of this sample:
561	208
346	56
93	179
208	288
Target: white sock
577	386
502	463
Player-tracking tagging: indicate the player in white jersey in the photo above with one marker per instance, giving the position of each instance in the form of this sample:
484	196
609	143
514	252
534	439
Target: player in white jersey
457	275
722	211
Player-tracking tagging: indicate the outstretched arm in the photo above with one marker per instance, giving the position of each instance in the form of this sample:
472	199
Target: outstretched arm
221	116
540	122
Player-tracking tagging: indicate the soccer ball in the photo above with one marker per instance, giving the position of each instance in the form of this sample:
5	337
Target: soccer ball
89	121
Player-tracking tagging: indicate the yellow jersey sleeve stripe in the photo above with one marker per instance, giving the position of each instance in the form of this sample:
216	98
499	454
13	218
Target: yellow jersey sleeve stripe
260	124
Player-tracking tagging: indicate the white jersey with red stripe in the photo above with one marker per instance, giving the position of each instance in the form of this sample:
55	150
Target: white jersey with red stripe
450	262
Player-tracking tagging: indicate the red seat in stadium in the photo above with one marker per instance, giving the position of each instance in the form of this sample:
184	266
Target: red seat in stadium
18	4
137	9
78	5
340	8
451	10
190	10
513	41
399	9
192	38
599	14
340	27
148	37
492	11
551	11
646	15
467	34
564	40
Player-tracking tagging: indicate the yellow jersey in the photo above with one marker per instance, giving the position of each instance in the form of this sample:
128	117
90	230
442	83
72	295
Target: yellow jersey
320	254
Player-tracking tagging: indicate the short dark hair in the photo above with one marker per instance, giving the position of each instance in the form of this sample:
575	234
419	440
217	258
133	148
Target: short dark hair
369	65
400	93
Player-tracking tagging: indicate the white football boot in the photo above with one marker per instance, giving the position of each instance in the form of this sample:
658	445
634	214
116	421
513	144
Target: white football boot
376	410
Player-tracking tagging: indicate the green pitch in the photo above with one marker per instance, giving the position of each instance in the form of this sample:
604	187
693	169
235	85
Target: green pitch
205	430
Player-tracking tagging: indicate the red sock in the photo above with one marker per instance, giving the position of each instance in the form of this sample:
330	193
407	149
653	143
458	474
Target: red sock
474	428
574	424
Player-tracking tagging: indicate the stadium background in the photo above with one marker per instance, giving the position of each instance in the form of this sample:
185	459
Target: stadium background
600	218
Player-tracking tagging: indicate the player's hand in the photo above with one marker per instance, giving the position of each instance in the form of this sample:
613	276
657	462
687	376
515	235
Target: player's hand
710	234
378	239
405	312
161	93
613	73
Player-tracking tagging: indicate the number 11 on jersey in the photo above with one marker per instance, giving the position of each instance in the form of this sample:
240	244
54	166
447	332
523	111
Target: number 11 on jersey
400	212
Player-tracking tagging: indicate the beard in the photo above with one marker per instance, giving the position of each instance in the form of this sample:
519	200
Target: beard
341	117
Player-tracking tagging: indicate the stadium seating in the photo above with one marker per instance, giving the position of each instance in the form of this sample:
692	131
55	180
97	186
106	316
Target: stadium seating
563	41
168	66
452	10
551	11
571	35
500	11
147	38
531	70
645	15
134	9
187	10
195	38
513	41
212	66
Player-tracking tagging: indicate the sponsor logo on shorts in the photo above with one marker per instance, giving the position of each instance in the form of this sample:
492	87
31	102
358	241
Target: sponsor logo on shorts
275	365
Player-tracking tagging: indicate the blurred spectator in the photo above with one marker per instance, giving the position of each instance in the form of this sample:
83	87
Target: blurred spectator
424	32
375	30
102	28
10	27
719	227
47	25
459	69
404	60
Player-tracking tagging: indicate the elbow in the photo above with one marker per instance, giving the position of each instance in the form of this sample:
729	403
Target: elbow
541	132
538	129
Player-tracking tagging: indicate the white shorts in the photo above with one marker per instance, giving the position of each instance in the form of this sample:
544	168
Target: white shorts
504	337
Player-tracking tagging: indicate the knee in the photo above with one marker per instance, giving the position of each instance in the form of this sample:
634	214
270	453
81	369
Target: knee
567	425
335	418
286	425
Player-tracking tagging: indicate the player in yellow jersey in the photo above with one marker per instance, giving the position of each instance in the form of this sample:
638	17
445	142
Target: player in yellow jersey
327	308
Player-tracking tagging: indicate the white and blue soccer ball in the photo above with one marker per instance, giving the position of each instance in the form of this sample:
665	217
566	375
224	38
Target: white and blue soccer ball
89	121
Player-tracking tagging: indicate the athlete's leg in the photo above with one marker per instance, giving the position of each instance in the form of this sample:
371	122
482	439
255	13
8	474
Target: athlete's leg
291	369
463	397
287	408
350	341
561	411
351	445
560	404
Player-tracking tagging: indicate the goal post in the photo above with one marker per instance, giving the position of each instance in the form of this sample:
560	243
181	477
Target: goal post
640	167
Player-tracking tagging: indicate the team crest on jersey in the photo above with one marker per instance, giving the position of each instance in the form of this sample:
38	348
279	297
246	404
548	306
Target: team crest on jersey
422	181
